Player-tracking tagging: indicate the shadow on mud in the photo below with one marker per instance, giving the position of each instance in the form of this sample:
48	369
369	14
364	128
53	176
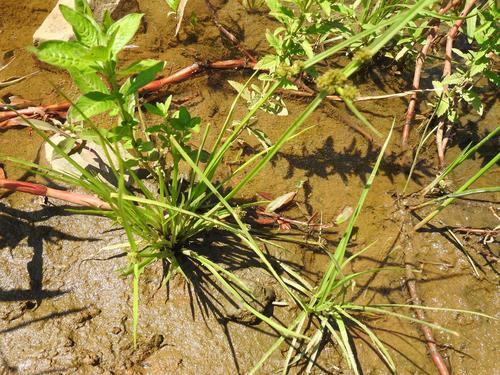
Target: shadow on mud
17	226
325	161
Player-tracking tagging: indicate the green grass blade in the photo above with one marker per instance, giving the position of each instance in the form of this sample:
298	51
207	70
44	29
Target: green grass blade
459	159
329	277
463	188
376	341
245	235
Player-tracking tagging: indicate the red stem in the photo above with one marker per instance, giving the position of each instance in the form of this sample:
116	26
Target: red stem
427	332
177	77
37	189
228	34
452	34
419	64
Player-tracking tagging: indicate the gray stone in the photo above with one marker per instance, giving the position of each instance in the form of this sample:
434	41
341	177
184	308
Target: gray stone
91	157
262	296
55	27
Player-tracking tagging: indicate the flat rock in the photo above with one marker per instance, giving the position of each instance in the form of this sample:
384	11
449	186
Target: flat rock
55	27
262	296
90	157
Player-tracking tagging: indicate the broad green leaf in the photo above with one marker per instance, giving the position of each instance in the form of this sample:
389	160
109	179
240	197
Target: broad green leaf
173	4
182	120
154	110
401	53
107	21
85	28
325	6
88	82
478	66
144	77
82	6
165	106
453	79
241	89
471	22
129	99
267	62
443	107
307	48
98	55
64	55
452	115
273	40
125	30
474	100
437	85
89	105
138	66
492	77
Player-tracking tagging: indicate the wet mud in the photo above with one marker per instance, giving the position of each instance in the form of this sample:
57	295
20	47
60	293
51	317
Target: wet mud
64	309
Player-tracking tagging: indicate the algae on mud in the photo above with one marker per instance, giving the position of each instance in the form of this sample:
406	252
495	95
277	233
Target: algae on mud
45	254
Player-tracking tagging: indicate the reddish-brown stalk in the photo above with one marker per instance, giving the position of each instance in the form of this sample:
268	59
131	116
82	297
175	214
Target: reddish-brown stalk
419	64
85	200
30	111
427	332
230	36
443	134
177	77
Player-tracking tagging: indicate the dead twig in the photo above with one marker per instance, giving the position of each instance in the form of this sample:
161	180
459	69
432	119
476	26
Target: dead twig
411	284
267	218
32	111
478	231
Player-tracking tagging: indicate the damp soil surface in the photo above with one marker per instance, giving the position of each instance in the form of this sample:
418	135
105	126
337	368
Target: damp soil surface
64	309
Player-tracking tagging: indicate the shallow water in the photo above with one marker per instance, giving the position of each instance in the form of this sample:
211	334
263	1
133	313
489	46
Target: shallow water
64	309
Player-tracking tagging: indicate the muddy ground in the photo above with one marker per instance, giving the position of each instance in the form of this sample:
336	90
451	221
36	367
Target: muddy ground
63	308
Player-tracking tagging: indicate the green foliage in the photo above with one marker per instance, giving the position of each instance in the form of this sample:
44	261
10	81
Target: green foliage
163	220
309	26
472	64
173	4
92	61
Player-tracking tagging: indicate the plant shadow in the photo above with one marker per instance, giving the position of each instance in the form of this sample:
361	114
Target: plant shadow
17	226
326	161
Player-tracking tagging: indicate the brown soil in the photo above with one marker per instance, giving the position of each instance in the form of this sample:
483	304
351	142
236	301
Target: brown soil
63	308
